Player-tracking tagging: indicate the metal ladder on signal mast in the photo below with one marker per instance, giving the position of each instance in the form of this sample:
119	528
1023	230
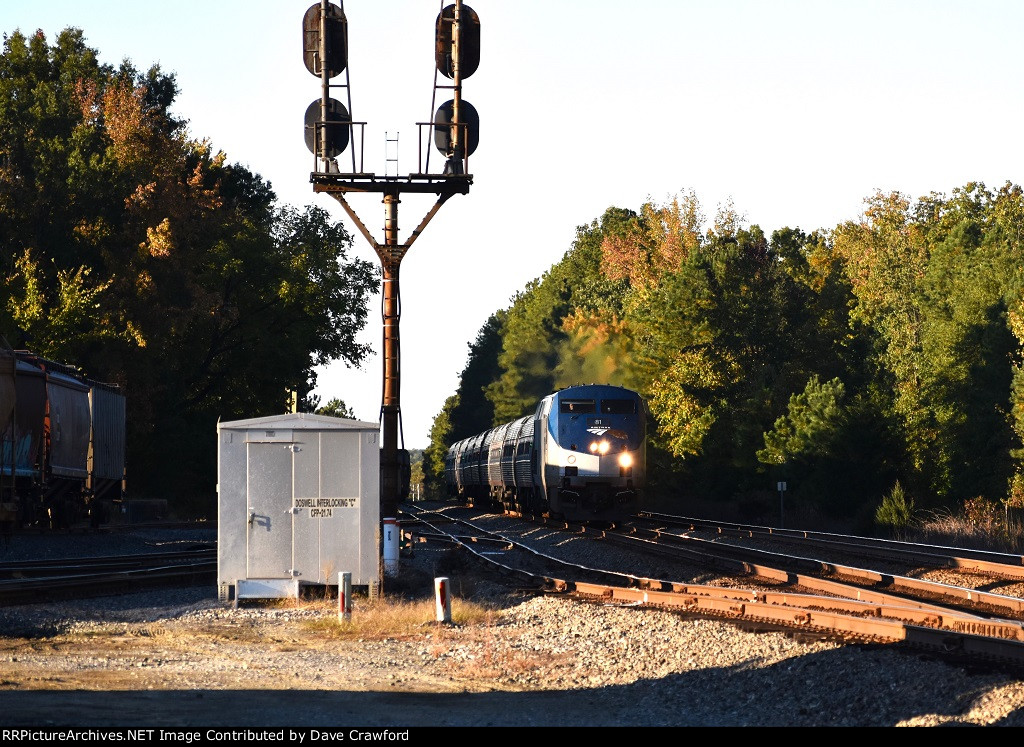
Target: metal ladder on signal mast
390	154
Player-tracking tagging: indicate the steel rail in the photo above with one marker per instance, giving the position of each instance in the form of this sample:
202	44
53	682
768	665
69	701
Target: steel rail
778	571
68	566
107	528
739	559
462	538
865	601
35	589
964	638
1010	565
510	544
899	620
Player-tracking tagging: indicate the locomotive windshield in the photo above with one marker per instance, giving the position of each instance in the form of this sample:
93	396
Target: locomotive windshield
577	406
618	407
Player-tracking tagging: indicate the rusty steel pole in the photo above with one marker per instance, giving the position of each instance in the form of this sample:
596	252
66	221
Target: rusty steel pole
391	408
457	86
325	83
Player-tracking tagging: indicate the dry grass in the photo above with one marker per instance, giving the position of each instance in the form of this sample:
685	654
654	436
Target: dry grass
394	617
469	647
980	525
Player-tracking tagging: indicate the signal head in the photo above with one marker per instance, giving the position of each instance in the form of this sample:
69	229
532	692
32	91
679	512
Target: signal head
335	130
335	40
443	131
469	42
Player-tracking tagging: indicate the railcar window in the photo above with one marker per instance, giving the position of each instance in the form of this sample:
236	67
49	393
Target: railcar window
618	406
577	406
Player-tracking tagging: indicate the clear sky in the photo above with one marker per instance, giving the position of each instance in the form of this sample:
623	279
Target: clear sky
796	111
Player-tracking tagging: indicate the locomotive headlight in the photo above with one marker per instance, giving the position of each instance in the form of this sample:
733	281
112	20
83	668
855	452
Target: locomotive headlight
625	460
602	448
593	447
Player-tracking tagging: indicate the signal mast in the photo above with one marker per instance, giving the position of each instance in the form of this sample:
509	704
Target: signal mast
330	129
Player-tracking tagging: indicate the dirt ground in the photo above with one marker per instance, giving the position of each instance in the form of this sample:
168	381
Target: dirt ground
223	674
258	665
268	666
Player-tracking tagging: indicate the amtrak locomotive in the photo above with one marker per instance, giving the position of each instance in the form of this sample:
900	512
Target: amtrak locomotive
580	456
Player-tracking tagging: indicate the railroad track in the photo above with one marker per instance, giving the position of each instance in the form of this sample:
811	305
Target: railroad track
35	580
87	529
997	564
846	602
750	584
827	576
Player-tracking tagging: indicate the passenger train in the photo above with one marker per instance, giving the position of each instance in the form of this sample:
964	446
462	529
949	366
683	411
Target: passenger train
581	456
62	442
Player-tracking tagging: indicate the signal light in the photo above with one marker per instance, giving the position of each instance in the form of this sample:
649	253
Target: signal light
333	132
469	42
469	138
334	55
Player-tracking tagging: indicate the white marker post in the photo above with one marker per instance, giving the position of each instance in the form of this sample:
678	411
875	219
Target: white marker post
442	600
391	534
345	597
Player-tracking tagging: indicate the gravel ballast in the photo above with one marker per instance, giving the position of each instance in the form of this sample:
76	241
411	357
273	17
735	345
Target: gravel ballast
180	657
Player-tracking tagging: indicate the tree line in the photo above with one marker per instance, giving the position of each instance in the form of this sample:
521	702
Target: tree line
143	256
878	358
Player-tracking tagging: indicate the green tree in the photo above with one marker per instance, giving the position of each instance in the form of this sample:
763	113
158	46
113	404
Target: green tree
337	408
896	511
434	455
834	450
532	335
935	282
473	412
715	353
560	330
967	288
147	260
911	315
804	430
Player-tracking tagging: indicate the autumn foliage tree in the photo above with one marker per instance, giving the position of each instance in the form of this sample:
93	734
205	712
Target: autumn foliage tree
143	256
885	350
